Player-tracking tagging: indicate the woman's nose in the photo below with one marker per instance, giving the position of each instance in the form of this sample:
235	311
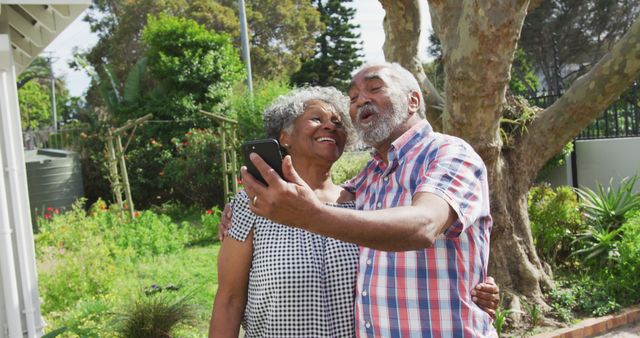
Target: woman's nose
329	125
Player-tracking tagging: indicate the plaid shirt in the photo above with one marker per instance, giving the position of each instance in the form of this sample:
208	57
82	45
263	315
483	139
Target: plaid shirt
426	293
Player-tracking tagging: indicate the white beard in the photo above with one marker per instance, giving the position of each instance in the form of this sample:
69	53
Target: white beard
383	122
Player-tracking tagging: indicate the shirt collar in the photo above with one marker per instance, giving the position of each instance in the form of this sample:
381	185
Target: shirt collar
404	143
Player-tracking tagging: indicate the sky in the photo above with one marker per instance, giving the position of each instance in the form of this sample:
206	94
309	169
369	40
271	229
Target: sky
369	15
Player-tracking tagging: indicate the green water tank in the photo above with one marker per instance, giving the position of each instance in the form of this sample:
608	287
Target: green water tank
54	178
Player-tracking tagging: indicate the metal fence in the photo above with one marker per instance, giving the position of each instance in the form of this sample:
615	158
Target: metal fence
66	139
620	119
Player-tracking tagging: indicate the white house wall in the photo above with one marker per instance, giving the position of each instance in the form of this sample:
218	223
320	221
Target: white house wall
600	161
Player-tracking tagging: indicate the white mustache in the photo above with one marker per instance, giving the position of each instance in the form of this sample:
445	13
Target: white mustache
367	108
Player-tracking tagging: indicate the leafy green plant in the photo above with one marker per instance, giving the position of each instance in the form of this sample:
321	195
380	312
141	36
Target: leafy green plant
554	218
248	109
501	319
562	302
155	316
608	206
348	166
210	220
195	172
599	246
151	234
534	313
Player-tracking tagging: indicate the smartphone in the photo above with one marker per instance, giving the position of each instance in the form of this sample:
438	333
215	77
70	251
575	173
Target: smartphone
268	150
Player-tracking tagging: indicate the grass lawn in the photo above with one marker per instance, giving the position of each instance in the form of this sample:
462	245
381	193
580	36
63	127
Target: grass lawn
191	271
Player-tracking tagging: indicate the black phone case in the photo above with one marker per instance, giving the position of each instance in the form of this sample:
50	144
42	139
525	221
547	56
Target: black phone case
268	150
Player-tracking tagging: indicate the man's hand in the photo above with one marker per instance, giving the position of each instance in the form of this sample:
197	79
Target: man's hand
225	222
287	202
487	296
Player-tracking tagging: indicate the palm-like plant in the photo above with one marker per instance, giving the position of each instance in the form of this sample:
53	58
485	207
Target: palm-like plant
607	206
598	246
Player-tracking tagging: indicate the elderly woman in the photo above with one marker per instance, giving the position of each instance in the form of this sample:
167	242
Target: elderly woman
280	281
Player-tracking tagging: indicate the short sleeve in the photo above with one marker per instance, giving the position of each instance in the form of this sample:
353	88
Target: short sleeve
458	175
242	220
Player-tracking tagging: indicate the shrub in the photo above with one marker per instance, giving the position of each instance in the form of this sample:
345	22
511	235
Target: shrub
555	218
249	111
150	234
590	289
196	172
208	232
154	316
348	166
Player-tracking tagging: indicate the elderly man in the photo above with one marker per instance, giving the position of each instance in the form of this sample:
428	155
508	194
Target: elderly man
423	224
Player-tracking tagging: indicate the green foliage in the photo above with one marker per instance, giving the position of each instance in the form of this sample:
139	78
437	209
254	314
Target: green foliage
154	316
562	302
150	234
524	81
249	111
348	166
146	160
501	319
35	105
81	249
606	207
598	246
282	32
555	219
337	52
534	312
595	296
209	231
91	262
87	318
606	255
195	172
191	62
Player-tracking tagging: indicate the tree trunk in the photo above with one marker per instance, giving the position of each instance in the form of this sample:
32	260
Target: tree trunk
478	42
402	29
513	260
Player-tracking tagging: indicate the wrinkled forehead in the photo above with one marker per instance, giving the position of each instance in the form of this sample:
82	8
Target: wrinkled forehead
376	72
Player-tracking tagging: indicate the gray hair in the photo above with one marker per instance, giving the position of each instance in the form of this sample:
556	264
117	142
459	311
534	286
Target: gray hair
401	78
286	108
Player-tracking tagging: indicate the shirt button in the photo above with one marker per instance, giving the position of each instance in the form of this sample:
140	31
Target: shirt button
379	205
369	261
386	178
364	293
367	325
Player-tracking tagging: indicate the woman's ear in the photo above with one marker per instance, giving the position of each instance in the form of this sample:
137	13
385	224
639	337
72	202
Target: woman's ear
283	139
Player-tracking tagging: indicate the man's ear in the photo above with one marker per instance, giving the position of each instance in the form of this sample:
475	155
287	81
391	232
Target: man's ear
414	102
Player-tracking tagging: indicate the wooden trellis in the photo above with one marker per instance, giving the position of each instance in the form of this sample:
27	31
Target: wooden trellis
228	143
119	178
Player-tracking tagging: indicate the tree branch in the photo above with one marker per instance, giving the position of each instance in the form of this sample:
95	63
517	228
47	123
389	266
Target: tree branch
402	31
583	101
